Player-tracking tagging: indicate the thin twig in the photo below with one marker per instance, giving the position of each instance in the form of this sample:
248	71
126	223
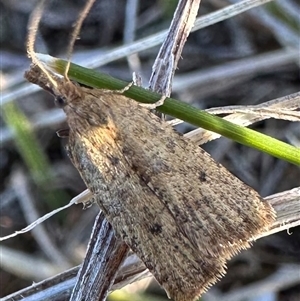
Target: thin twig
164	67
98	272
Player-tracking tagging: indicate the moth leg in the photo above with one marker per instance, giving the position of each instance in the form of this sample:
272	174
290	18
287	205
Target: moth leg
86	198
153	106
136	80
126	88
174	122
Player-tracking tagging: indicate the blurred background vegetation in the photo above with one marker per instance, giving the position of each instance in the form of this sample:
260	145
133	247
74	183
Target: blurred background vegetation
38	177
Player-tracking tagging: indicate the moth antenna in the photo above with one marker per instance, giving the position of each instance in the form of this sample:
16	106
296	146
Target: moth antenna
33	25
75	33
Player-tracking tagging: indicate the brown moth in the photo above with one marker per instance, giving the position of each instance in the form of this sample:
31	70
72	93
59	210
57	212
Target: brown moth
181	212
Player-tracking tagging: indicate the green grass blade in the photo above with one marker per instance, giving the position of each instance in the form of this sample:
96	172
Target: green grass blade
183	111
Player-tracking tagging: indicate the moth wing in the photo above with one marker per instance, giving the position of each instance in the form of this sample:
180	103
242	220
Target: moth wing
141	219
182	213
212	207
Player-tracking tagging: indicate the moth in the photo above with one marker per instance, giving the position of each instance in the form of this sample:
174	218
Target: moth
181	212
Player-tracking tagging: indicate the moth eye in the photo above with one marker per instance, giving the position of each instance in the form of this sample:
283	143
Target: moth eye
60	101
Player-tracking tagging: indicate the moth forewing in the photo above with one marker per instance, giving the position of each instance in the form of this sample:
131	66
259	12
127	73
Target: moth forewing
180	211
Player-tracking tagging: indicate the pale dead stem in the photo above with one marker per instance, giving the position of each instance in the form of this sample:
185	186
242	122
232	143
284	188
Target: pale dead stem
280	108
167	59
